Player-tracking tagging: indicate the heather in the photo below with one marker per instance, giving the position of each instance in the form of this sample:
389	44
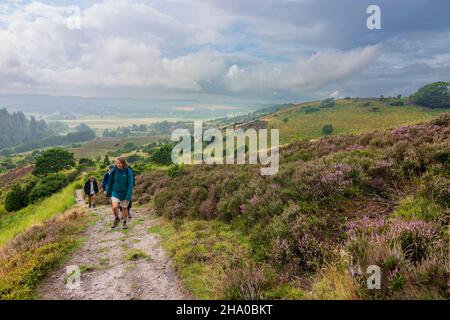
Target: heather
337	206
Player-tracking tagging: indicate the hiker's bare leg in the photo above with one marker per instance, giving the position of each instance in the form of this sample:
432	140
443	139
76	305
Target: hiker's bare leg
94	199
124	214
115	209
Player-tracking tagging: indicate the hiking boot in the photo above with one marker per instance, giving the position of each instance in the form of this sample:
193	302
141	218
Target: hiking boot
116	222
129	215
93	206
125	225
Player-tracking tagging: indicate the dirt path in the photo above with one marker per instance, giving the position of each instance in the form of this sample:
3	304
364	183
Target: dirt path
117	264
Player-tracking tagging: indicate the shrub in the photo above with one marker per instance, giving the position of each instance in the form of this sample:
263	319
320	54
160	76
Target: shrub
85	162
162	155
16	199
411	255
328	103
296	245
397	103
175	170
48	186
310	109
327	129
247	281
375	109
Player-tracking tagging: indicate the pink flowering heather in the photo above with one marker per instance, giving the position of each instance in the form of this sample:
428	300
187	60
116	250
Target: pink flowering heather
354	147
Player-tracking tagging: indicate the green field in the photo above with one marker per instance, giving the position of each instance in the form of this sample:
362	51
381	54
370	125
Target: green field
113	122
101	146
348	116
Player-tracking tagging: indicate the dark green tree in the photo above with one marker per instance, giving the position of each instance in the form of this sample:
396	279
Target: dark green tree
433	95
53	161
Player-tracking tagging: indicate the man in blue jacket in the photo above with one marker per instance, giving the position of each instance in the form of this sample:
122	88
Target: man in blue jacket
105	180
120	189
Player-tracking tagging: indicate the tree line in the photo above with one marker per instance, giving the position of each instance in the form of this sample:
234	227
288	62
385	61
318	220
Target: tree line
20	134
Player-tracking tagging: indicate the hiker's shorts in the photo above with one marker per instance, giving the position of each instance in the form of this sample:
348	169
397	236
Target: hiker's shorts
123	203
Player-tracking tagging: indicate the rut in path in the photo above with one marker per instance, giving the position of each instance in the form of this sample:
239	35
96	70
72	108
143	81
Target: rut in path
117	264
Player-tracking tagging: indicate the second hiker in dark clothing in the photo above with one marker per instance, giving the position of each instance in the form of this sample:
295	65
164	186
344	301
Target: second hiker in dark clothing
91	190
105	181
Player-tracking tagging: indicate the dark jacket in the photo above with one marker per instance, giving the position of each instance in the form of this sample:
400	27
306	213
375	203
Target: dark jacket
121	184
87	187
105	181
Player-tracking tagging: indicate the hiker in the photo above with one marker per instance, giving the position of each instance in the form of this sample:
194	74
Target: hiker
91	190
120	189
105	180
131	201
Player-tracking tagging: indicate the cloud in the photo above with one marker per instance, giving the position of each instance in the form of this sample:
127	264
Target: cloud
306	74
260	50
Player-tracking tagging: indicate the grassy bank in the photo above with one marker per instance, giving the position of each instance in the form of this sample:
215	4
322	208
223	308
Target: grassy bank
201	252
206	255
27	259
348	116
15	223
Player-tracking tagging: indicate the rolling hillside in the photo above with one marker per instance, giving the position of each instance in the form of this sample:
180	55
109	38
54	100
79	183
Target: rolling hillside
347	116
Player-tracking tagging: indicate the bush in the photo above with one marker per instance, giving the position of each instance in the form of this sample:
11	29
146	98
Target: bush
310	109
16	199
175	170
327	129
162	155
328	103
247	281
47	186
375	109
85	162
397	103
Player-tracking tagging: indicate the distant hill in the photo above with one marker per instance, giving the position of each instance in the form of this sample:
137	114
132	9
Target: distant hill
357	115
69	108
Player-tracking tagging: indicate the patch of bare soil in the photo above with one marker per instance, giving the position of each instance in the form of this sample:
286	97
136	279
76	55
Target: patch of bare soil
14	174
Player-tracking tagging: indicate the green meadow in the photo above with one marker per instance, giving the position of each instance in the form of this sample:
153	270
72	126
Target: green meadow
347	117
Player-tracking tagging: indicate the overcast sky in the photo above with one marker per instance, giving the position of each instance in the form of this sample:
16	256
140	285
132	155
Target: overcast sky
254	50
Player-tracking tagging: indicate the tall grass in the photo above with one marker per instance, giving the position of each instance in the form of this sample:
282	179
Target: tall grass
15	223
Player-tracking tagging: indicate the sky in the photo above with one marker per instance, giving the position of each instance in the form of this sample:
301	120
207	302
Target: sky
249	50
